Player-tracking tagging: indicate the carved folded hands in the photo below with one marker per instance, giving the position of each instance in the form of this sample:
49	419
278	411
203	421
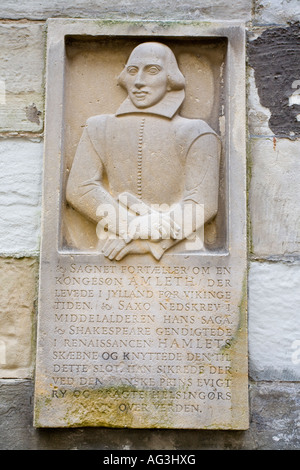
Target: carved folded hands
139	230
153	226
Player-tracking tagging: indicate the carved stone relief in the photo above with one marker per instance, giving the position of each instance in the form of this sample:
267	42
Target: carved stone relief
162	170
142	288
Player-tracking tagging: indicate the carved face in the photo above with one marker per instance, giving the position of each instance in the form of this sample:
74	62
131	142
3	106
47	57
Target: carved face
146	78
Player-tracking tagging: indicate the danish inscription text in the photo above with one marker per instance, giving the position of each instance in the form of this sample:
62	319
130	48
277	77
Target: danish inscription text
157	331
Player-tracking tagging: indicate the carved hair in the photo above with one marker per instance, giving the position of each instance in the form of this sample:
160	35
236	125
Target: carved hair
176	80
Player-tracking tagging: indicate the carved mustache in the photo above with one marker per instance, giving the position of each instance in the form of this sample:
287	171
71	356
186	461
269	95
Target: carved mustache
140	91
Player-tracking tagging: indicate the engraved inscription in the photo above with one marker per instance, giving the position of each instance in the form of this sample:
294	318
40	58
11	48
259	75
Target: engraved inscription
143	326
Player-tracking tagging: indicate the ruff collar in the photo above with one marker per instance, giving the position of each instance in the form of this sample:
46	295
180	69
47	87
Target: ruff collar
167	106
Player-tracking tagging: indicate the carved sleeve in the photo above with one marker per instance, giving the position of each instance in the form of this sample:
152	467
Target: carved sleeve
85	190
201	188
202	174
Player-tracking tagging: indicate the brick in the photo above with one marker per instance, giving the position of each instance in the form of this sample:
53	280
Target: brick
20	196
21	77
275	415
18	292
145	9
277	84
274	197
276	11
258	115
274	322
274	426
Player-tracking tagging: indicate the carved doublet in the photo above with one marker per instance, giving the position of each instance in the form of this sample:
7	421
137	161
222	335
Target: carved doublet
145	154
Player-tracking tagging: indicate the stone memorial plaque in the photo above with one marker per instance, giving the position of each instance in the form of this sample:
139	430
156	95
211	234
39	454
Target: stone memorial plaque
142	299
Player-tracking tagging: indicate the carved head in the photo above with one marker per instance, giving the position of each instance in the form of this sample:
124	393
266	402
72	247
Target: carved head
151	72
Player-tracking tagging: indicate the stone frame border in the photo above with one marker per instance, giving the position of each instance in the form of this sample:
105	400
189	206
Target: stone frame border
235	150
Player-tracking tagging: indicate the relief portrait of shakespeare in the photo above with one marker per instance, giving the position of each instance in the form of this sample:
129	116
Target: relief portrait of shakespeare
142	173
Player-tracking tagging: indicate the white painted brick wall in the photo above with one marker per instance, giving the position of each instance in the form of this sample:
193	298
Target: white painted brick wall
20	196
277	11
258	115
274	190
274	321
22	76
128	9
274	197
